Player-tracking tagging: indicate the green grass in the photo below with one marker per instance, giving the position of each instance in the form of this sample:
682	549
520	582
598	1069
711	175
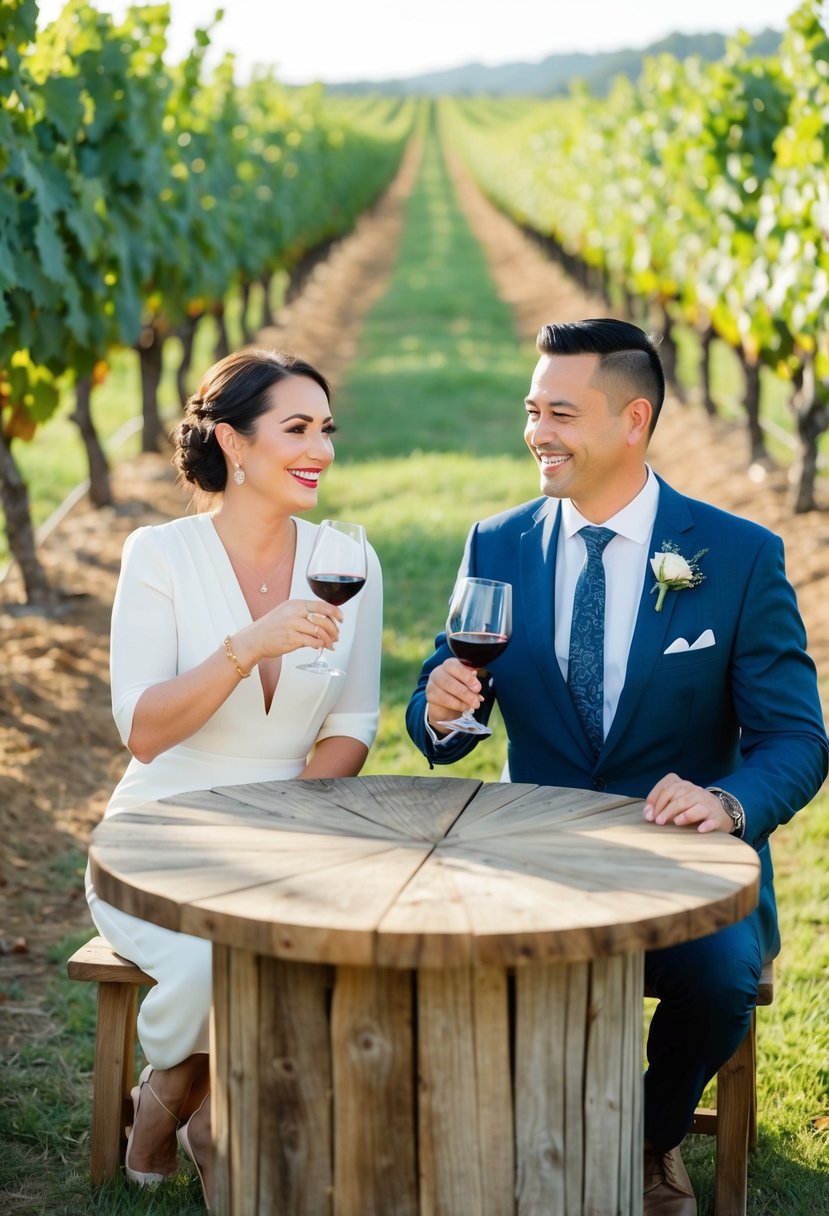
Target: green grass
430	440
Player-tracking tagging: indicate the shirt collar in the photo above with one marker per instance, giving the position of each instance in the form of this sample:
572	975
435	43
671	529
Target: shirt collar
635	521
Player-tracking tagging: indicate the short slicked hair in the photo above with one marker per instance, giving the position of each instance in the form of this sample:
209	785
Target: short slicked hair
629	363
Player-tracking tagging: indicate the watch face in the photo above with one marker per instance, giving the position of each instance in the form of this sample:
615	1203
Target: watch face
733	811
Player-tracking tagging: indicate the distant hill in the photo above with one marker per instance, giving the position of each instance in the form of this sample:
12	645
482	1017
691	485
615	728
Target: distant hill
554	75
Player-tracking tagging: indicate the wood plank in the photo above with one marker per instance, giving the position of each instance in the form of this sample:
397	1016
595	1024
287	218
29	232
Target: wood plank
221	1055
374	1093
450	1165
295	1079
491	798
544	916
97	962
632	1090
563	855
551	1005
243	1084
411	808
578	998
602	1089
328	915
459	1015
184	872
302	812
494	1088
540	1068
427	925
537	808
416	808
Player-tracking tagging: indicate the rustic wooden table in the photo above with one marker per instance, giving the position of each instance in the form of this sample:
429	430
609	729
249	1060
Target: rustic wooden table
427	991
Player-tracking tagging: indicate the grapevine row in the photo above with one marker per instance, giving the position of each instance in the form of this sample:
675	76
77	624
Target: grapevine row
698	194
134	195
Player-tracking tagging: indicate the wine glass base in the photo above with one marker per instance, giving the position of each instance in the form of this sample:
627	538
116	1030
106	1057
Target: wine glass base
320	669
469	726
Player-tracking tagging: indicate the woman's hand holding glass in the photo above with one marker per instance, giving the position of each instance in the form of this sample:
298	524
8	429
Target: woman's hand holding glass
293	625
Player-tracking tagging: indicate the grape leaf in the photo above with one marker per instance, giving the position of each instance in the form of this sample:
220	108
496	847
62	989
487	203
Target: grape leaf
51	250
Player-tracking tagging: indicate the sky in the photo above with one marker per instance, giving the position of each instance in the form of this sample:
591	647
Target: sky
335	40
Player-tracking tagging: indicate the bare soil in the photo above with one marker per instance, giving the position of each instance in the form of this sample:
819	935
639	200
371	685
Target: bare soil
60	755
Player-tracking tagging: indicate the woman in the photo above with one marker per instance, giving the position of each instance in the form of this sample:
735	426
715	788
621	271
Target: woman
203	603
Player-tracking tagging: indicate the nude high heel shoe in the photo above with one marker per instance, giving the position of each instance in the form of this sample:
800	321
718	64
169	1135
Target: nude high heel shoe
184	1140
137	1176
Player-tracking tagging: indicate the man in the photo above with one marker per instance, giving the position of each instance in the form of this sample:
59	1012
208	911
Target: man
700	698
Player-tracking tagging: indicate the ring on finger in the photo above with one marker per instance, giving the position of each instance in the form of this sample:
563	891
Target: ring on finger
310	617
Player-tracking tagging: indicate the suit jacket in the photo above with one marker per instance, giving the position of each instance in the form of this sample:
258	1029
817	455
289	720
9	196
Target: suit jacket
743	714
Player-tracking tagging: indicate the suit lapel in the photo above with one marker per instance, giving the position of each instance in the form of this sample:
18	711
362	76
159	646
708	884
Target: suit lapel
539	547
650	634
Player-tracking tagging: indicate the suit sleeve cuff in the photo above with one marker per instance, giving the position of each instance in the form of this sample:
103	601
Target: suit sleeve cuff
437	740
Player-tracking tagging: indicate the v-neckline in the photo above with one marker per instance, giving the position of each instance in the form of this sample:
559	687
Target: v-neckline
246	607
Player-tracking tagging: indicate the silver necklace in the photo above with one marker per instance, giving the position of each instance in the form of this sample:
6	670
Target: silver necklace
263	585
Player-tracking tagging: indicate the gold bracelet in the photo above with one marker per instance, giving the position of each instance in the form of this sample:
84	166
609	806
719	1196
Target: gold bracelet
243	674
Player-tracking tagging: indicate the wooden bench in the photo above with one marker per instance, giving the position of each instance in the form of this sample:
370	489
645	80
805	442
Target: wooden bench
114	1073
734	1122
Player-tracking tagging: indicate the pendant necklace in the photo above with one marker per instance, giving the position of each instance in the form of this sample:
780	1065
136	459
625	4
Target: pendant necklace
263	585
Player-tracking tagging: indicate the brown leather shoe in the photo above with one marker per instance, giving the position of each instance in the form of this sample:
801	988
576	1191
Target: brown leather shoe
668	1190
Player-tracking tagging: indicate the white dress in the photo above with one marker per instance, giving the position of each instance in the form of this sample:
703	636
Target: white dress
177	599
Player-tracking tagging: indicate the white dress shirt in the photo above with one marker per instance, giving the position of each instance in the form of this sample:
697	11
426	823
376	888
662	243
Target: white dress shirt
625	563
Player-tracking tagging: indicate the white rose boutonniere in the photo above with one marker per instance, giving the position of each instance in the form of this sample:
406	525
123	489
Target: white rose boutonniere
674	572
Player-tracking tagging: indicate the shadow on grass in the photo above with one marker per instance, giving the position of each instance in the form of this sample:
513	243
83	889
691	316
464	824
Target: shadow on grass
778	1183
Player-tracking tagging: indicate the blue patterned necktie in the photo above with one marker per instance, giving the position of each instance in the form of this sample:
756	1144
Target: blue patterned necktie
585	674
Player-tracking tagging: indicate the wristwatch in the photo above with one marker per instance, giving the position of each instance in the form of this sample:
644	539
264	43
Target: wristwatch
733	809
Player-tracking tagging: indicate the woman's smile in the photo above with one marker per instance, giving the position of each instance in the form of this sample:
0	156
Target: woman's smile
306	477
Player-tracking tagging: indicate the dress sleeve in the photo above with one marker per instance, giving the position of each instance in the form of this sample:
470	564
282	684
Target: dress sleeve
357	711
144	635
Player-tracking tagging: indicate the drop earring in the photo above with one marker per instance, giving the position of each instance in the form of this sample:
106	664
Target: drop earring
239	475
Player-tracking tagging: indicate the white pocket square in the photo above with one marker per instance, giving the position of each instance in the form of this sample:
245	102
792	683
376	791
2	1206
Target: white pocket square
705	639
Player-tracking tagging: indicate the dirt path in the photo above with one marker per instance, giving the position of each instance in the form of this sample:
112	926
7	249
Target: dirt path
59	752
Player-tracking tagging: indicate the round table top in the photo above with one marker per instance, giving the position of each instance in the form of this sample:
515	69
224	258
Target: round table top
420	871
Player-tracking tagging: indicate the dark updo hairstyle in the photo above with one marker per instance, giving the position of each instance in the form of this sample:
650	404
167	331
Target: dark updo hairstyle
236	390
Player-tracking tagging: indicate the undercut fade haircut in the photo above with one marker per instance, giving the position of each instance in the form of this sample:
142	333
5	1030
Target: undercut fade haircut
629	363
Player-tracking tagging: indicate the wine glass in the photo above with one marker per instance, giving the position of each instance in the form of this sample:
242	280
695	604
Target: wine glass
336	571
478	629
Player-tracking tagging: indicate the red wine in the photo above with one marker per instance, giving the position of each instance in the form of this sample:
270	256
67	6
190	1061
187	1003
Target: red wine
336	588
476	649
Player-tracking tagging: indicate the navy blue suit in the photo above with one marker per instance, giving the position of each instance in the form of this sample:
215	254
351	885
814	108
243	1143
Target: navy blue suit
743	714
